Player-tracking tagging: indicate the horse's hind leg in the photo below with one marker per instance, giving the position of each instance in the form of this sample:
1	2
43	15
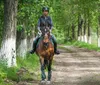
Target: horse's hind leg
43	76
49	70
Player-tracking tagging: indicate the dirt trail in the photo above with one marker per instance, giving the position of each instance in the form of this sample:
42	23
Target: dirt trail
76	66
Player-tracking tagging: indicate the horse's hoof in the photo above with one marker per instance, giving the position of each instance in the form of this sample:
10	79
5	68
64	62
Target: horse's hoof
43	82
48	82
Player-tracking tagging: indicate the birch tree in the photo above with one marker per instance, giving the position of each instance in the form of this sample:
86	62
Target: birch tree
8	47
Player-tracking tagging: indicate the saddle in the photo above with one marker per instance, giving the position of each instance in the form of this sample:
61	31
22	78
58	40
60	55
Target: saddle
41	38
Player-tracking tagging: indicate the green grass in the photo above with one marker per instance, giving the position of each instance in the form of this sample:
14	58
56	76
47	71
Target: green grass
83	45
31	63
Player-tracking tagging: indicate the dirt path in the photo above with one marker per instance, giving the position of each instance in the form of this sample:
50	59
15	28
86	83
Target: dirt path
76	66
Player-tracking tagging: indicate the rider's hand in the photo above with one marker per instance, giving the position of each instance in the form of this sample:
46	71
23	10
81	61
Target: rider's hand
40	33
50	31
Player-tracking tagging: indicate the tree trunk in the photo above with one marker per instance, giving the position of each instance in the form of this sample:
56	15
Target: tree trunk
78	34
89	30
89	34
22	42
8	49
81	29
73	32
68	32
30	39
80	23
85	37
98	31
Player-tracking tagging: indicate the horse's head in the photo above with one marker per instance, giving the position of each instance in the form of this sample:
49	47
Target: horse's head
46	37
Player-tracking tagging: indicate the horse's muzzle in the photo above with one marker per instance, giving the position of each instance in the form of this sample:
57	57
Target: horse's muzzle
46	44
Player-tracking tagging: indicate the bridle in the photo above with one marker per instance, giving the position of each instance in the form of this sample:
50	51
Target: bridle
46	37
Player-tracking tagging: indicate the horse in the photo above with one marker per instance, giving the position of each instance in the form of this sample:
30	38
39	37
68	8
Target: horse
45	51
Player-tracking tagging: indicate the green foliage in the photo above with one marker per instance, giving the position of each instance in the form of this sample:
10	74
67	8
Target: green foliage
19	28
84	45
2	74
88	46
63	12
31	63
3	69
11	73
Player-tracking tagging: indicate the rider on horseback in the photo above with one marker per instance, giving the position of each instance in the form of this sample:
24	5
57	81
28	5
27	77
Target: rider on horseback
45	22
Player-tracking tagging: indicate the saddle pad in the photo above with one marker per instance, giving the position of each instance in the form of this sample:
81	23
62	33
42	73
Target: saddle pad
41	38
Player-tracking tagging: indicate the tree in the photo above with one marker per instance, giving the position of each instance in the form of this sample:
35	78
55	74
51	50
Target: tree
28	14
8	48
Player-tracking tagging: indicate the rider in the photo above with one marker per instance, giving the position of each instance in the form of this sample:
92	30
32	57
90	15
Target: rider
45	21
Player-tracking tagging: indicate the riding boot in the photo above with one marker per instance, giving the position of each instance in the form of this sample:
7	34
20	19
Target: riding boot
55	45
34	48
55	49
34	45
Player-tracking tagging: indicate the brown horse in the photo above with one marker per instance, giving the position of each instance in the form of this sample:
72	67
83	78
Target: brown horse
45	51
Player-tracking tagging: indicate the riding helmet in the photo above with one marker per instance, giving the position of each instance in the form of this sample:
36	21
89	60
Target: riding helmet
45	9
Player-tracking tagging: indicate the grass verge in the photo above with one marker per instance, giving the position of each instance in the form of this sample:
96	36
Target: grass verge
83	45
26	70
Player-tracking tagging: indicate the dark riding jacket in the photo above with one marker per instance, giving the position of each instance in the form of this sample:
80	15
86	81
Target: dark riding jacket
45	21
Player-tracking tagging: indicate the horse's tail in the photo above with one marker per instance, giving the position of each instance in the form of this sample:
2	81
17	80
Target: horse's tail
45	63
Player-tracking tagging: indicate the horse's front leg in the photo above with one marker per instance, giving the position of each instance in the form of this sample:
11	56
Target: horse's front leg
49	70
43	76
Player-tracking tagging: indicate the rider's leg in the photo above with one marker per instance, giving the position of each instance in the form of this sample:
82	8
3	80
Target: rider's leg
55	45
34	45
43	76
49	70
